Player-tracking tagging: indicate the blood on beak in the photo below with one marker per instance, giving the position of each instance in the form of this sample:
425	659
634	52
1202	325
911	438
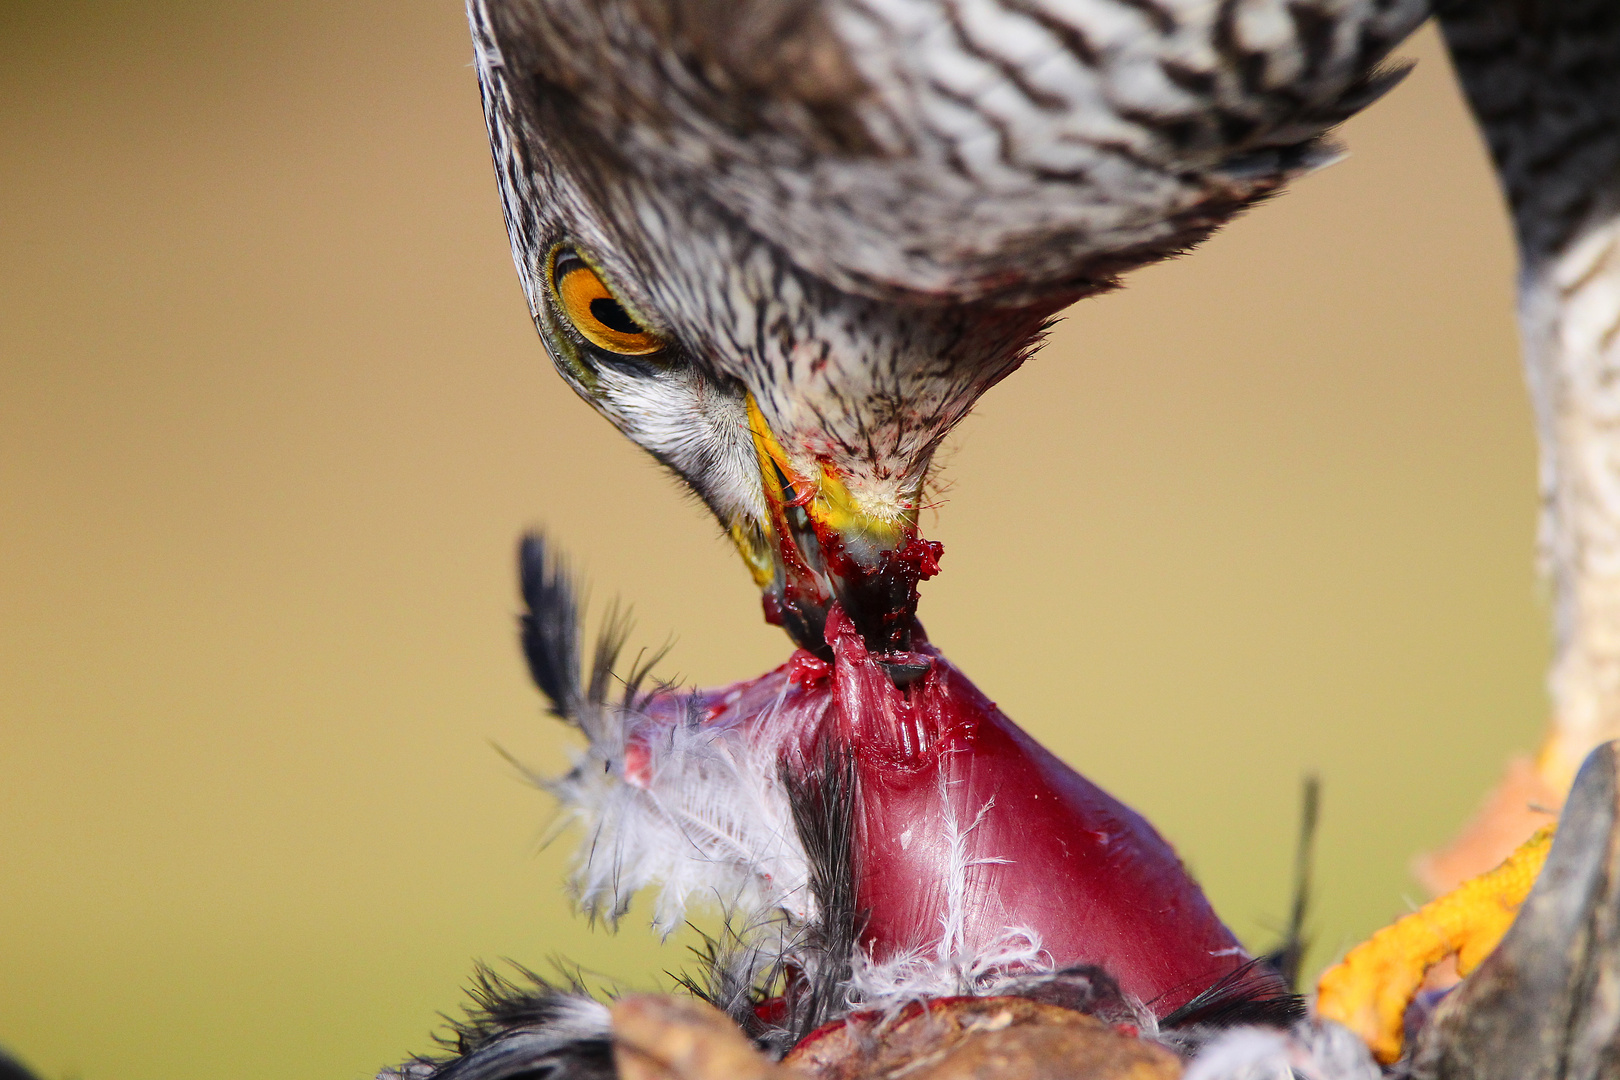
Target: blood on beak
819	546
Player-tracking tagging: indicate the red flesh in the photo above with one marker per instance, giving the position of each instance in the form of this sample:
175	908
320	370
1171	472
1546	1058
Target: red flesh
1082	871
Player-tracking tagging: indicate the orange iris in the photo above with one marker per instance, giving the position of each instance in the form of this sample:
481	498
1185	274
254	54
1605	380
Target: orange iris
597	314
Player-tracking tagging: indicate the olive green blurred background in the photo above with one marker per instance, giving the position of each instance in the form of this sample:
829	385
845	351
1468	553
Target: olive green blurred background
272	416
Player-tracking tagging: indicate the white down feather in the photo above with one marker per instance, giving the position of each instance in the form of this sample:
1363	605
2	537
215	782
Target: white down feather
705	816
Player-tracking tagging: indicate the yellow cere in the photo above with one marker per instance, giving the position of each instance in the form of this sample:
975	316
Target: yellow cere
831	504
1368	991
597	314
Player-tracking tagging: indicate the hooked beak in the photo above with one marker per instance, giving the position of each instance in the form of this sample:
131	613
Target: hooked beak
820	547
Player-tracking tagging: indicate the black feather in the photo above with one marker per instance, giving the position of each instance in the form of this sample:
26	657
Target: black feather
522	1030
550	625
1289	956
778	1000
823	798
551	634
1252	994
733	976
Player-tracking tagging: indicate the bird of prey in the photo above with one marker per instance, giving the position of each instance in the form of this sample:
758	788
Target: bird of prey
784	246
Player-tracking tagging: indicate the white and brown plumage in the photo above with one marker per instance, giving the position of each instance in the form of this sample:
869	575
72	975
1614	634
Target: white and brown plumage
1544	81
861	212
854	218
785	245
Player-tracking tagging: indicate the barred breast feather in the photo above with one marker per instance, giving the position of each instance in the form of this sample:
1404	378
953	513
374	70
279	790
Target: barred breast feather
948	149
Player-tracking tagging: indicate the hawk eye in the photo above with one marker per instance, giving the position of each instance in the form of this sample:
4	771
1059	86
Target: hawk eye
595	312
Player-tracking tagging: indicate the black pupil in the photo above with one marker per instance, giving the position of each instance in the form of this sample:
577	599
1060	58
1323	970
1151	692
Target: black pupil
612	315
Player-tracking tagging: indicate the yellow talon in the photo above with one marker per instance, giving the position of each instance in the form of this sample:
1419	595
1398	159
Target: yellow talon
1368	991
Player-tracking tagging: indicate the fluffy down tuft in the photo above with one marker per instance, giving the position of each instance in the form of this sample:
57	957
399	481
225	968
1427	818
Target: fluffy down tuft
700	810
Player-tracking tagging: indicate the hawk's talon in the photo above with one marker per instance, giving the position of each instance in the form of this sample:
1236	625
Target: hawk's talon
1369	990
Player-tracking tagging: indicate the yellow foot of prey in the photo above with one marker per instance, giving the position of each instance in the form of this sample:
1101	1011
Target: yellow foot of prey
1369	990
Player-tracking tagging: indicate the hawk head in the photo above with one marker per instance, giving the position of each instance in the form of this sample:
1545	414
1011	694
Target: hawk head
785	246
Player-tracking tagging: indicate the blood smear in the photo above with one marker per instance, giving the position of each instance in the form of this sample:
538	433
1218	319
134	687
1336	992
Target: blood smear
971	837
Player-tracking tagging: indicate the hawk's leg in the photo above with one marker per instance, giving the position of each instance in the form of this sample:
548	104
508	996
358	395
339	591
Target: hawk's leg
1370	989
1544	83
